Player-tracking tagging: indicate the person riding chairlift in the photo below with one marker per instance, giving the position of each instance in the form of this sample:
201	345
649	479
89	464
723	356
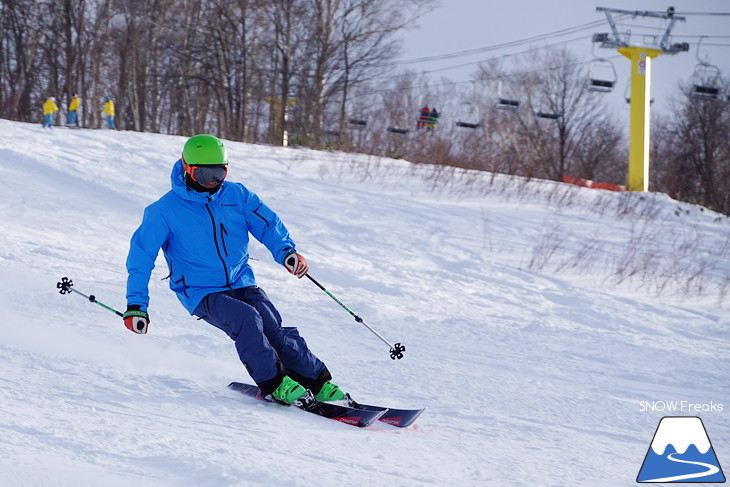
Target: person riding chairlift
424	118
433	118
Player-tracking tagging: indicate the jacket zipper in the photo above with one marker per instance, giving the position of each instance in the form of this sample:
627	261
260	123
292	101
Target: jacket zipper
217	246
224	232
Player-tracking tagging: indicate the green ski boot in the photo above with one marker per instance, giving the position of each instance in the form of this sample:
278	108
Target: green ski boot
330	392
289	391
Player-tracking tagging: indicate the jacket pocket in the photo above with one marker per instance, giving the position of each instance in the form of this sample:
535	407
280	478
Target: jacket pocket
184	285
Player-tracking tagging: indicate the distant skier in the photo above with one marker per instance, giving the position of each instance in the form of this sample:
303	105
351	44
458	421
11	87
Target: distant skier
49	109
73	110
203	226
108	111
424	117
433	118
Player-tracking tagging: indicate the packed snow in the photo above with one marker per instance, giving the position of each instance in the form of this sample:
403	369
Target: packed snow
547	327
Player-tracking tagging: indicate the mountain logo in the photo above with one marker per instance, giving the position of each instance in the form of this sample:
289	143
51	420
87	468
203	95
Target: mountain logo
680	452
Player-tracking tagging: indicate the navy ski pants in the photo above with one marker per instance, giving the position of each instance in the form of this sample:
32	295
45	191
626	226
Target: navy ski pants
267	349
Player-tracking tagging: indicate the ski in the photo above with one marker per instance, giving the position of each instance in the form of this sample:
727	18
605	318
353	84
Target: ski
400	418
344	414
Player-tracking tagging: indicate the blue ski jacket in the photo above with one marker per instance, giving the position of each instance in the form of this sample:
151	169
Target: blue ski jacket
204	239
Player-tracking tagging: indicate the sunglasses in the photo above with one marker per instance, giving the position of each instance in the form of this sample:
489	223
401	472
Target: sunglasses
207	174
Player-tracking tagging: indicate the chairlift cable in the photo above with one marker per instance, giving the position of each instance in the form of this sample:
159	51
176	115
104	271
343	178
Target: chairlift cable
704	13
467	52
706	36
471	63
491	78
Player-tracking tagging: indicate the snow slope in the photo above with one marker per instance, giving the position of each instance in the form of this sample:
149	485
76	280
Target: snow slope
540	320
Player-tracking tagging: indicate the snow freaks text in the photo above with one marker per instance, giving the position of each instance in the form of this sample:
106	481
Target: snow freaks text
681	407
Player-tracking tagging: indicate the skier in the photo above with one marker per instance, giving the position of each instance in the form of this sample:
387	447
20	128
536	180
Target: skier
108	111
433	118
49	109
203	226
424	117
73	110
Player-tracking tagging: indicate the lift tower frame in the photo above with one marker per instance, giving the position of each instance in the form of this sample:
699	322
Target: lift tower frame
641	59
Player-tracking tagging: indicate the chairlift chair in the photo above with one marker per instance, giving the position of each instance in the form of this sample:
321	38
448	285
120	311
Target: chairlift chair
507	104
467	116
706	82
428	115
397	122
706	79
547	115
597	80
505	99
468	125
358	123
710	93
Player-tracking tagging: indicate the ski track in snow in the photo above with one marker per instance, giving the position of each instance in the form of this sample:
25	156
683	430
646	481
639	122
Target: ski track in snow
530	377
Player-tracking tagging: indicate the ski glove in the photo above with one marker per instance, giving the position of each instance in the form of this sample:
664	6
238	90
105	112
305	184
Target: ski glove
296	264
136	320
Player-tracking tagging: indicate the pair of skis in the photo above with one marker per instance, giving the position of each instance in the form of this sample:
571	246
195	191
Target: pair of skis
361	416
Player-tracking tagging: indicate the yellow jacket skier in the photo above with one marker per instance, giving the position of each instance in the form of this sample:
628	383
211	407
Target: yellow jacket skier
73	108
109	112
49	108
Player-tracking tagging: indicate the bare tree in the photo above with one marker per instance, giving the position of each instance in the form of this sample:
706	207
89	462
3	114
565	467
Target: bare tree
26	27
693	151
566	128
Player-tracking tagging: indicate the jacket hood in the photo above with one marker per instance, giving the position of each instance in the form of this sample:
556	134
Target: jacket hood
184	191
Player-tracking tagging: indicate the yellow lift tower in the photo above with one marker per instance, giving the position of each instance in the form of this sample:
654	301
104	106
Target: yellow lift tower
641	59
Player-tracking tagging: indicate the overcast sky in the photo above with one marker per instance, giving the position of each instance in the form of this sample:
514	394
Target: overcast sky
459	25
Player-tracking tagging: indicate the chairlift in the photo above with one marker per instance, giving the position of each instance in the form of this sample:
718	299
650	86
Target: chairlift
706	82
505	98
602	76
545	105
468	125
467	116
428	114
507	104
398	130
547	115
706	79
397	122
358	123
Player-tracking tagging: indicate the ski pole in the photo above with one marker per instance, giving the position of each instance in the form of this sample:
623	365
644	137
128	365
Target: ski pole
66	286
396	351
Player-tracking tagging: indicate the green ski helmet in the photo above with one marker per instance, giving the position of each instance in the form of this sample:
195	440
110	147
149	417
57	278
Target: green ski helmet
205	160
204	150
